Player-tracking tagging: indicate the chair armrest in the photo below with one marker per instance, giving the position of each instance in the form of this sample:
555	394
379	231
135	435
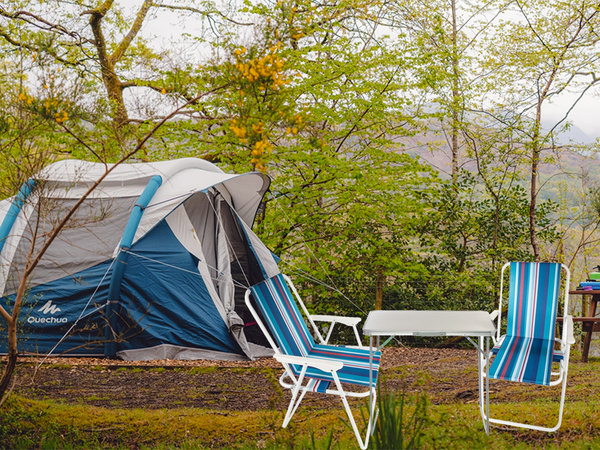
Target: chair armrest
568	332
322	364
349	321
494	318
494	315
498	342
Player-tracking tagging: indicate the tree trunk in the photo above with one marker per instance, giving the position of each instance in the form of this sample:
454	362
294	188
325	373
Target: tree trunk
379	289
533	202
536	150
114	88
11	359
455	97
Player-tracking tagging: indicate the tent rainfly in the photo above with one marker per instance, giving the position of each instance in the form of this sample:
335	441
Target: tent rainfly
153	265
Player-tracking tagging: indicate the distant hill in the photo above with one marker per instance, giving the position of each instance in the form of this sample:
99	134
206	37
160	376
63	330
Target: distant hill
571	169
574	134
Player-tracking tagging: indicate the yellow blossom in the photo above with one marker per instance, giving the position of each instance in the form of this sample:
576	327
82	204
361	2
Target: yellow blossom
61	116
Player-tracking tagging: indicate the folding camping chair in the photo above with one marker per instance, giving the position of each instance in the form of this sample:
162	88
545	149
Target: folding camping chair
332	320
320	365
528	349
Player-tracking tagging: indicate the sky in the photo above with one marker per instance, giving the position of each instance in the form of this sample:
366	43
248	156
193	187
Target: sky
585	116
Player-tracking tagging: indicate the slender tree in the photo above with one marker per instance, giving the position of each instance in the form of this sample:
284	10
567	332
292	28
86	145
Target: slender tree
547	50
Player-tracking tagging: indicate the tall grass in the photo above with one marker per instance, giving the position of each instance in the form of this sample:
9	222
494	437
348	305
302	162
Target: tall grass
399	425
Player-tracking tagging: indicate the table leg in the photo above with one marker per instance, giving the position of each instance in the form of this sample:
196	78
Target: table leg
587	340
370	424
487	385
484	389
480	375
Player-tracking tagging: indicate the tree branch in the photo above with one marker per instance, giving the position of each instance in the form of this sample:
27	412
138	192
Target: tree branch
124	158
197	11
135	29
34	48
39	22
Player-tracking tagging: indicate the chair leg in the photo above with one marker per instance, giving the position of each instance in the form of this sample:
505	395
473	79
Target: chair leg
296	400
293	406
370	428
537	427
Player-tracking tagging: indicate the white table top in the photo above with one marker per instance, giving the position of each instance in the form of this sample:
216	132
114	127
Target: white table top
429	323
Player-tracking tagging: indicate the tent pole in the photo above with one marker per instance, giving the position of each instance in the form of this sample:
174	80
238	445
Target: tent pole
15	209
112	305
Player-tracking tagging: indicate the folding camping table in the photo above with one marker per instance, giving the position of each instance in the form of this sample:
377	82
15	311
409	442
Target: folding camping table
468	324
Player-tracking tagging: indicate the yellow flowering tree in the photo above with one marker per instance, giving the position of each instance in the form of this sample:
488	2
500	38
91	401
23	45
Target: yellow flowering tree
317	105
256	112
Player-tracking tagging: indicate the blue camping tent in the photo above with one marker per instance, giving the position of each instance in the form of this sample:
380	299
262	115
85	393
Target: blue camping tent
153	265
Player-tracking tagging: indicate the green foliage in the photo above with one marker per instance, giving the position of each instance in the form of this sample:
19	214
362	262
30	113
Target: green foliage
470	226
320	110
464	239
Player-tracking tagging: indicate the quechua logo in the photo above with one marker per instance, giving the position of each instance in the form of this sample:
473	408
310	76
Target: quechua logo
50	309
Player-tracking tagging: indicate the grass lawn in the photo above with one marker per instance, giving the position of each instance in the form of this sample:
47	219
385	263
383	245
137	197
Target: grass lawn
449	422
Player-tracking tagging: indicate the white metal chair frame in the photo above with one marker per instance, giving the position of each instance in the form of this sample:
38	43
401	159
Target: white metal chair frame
333	320
296	383
565	343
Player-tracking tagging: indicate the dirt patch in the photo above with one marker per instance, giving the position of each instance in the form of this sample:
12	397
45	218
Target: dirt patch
247	385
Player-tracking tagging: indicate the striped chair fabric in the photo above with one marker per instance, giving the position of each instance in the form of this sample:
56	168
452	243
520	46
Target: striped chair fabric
557	356
527	351
280	311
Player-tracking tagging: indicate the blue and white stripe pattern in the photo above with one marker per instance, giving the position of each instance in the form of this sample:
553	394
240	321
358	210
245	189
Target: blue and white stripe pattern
287	325
527	351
